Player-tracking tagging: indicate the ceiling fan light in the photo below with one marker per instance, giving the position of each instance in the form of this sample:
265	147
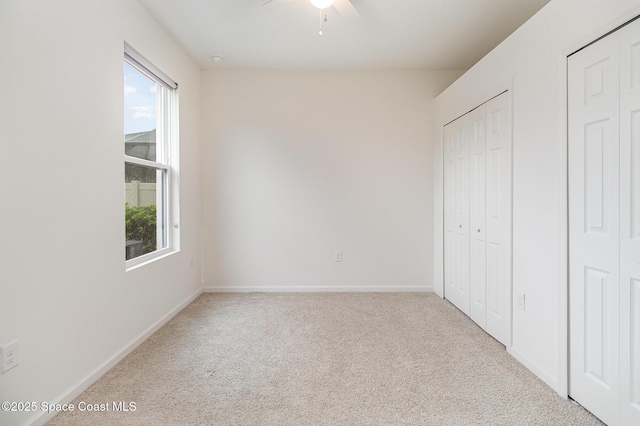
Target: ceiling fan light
321	4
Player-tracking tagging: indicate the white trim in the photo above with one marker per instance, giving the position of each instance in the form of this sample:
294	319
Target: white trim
172	155
145	163
438	214
70	394
535	369
136	262
147	67
603	30
563	236
317	289
511	95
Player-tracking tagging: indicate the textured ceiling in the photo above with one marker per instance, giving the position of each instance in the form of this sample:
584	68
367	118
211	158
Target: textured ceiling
389	34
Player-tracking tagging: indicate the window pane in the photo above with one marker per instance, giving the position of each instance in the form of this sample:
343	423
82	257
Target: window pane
144	201
141	105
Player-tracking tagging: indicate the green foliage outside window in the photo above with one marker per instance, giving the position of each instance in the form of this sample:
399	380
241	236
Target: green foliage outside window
141	226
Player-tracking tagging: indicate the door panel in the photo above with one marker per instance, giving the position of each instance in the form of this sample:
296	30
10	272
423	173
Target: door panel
449	185
495	197
596	152
594	229
498	220
597	304
456	194
634	173
493	277
629	47
597	81
634	347
477	193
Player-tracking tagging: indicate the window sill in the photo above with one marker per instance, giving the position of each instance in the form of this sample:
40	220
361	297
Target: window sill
148	258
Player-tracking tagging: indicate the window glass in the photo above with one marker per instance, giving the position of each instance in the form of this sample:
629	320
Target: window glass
142	215
148	111
142	97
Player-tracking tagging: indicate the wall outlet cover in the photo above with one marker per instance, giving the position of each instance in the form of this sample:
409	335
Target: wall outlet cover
9	356
520	300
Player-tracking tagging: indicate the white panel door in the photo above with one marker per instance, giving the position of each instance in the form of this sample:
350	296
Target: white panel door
498	217
477	203
629	42
475	125
456	198
594	226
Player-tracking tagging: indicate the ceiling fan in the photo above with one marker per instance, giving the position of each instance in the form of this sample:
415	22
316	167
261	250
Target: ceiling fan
344	7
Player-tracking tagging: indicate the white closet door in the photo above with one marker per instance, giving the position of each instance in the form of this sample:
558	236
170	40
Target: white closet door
475	128
450	134
498	217
629	42
477	200
594	223
456	197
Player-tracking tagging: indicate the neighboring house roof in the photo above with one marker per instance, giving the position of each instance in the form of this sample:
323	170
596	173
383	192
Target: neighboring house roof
141	145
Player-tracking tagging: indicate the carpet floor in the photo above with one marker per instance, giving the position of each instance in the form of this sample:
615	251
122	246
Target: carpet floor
323	359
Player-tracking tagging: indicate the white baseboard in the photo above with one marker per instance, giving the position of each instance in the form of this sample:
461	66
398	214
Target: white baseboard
70	394
543	375
316	289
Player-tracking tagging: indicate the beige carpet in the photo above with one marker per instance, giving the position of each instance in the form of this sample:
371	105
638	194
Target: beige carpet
323	359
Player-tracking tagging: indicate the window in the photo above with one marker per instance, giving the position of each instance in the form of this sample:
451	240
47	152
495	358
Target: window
150	159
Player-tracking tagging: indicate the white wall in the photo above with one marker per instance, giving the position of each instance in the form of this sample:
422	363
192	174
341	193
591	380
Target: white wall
299	164
64	292
532	62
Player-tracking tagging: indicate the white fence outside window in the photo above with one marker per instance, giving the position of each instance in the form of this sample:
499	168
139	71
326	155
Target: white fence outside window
138	194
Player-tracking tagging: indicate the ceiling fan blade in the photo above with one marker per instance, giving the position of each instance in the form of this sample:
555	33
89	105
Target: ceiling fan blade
346	9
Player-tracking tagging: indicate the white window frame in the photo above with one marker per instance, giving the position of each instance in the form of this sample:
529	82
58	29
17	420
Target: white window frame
167	206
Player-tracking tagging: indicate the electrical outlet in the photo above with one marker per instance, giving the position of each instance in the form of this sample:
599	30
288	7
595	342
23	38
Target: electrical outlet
9	356
520	301
338	256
